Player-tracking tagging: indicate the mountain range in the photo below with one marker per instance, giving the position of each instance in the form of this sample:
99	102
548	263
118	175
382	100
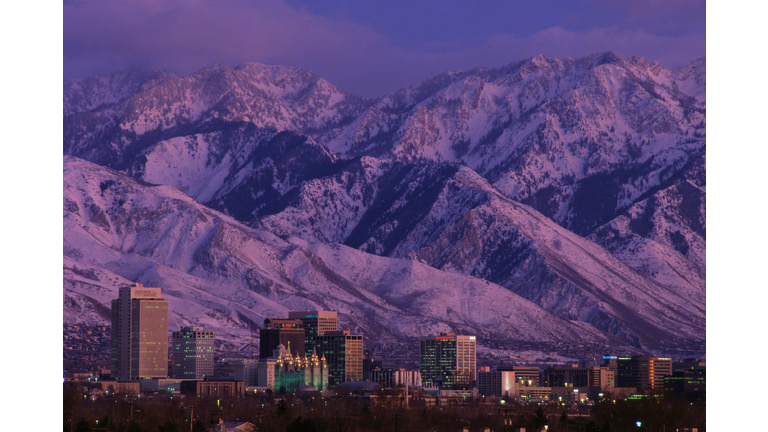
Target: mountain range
550	200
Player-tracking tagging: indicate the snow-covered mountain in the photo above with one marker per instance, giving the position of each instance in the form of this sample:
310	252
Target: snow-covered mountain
218	273
576	184
449	217
114	123
579	140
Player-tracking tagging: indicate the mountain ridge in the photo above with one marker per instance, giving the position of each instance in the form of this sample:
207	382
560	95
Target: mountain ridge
612	149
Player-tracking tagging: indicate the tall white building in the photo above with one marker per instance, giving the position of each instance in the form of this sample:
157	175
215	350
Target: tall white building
139	334
192	353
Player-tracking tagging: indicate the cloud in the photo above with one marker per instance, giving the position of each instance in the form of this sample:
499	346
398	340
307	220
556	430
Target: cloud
183	36
558	42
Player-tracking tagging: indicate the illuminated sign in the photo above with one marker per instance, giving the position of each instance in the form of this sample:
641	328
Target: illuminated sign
444	337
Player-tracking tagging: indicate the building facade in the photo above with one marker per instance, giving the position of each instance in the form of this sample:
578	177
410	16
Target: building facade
139	334
396	377
192	353
247	371
316	323
525	376
266	372
210	388
344	354
688	383
278	331
642	372
495	382
601	377
448	361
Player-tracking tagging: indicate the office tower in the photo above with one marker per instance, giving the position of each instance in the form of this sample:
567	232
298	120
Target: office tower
495	382
316	323
281	331
688	382
642	372
343	353
192	353
139	334
448	361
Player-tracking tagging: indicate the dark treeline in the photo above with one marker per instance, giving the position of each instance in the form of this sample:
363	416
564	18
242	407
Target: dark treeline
346	413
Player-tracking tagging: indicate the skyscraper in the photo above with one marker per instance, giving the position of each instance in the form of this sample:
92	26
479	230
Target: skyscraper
448	361
642	372
192	353
343	353
139	334
316	323
289	332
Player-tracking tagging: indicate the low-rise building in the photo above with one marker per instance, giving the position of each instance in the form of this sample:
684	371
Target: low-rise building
247	371
211	388
121	387
171	385
237	426
396	377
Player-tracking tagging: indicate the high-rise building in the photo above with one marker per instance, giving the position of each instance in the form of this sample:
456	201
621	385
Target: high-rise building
139	334
495	382
344	355
641	372
316	323
288	332
448	361
192	353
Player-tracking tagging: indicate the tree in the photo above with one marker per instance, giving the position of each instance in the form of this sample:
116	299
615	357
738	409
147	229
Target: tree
540	420
83	426
282	409
168	427
198	426
302	425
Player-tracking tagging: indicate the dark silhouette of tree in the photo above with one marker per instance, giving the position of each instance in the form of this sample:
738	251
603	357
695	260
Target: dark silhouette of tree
83	426
540	419
301	424
198	426
282	409
168	427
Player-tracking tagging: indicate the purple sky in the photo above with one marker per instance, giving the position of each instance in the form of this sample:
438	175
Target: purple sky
371	48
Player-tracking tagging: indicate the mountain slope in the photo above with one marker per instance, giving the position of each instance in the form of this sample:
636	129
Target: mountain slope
611	149
449	217
223	275
268	97
579	140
